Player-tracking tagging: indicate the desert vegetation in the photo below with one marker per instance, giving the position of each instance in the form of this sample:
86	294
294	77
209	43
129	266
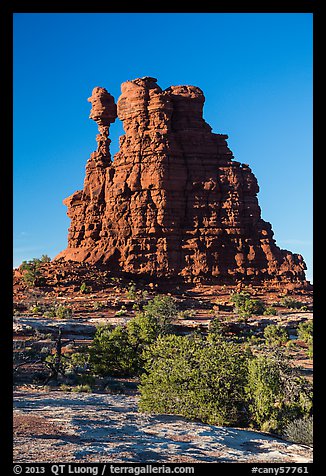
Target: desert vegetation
236	370
32	275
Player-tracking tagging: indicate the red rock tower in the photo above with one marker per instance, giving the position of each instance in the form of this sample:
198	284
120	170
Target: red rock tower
173	203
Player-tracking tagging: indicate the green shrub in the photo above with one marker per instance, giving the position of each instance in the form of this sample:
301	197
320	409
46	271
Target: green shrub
81	388
143	330
186	314
195	378
277	396
111	352
270	311
300	431
216	328
45	309
292	303
84	289
49	313
63	312
310	351
162	310
119	350
36	309
31	264
265	389
246	306
290	344
57	310
79	361
33	275
122	312
269	426
305	331
132	292
275	335
254	340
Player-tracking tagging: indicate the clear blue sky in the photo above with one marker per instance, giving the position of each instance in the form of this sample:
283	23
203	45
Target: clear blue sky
256	74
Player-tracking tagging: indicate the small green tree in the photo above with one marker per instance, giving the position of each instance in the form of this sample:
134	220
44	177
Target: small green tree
132	291
84	289
305	333
277	395
45	259
119	350
111	352
265	390
246	306
275	335
215	328
32	273
162	310
195	378
292	303
79	360
143	330
63	312
270	311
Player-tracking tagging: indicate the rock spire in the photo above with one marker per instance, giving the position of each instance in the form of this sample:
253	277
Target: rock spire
173	202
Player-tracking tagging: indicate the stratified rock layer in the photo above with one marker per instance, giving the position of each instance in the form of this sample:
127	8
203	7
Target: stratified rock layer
173	203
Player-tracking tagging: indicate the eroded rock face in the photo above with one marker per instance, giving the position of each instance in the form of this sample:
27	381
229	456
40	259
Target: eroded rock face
174	202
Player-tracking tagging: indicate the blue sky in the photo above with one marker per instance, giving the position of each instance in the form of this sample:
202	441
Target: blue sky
256	74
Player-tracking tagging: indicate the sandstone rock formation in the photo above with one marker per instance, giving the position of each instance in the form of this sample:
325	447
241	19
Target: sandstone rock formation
174	202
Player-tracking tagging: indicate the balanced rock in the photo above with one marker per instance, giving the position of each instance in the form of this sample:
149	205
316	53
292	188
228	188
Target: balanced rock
173	202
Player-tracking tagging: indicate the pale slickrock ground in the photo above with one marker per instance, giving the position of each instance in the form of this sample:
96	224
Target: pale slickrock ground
77	427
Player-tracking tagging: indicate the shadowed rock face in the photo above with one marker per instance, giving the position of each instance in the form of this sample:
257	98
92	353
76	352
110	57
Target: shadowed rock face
173	203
